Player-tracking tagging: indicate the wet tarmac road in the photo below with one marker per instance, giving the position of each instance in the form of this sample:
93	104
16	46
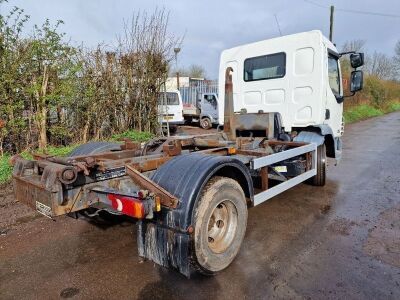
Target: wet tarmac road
339	241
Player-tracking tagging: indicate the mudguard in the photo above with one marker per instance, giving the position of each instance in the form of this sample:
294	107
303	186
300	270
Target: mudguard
166	239
310	137
333	145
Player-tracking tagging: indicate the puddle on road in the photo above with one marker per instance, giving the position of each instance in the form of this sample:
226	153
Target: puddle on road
341	226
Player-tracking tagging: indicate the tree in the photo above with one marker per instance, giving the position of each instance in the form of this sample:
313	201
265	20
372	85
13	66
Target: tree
13	58
193	71
380	66
196	71
51	66
353	45
52	92
396	59
146	51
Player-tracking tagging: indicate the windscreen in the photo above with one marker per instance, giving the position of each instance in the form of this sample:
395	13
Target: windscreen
168	98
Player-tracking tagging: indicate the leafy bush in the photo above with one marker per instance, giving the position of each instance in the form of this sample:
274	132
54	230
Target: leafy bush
375	91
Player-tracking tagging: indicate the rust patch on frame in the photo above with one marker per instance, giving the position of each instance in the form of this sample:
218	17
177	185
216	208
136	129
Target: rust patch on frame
142	181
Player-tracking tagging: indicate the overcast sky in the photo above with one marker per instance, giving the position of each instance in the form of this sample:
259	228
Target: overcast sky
211	26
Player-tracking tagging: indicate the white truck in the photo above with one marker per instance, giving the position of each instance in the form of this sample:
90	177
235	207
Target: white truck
282	113
205	111
173	112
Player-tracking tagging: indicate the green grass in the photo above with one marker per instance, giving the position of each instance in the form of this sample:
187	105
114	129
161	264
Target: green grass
134	135
51	150
5	168
394	106
361	112
59	151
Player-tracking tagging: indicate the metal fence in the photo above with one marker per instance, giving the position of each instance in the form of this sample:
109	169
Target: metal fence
194	91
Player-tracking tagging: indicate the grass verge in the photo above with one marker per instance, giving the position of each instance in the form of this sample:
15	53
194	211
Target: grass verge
5	169
394	106
361	112
365	111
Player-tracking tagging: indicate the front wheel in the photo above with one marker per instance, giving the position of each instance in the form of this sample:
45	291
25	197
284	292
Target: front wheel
205	123
320	178
220	223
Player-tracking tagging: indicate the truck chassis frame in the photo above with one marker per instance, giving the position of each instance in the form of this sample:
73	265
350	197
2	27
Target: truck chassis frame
125	182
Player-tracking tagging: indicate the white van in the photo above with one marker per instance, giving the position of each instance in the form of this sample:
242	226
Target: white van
170	108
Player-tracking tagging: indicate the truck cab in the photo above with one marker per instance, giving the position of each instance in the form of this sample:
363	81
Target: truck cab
205	112
208	109
296	76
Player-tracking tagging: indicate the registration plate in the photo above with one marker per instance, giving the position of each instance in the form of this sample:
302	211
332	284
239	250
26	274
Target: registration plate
281	169
168	118
43	209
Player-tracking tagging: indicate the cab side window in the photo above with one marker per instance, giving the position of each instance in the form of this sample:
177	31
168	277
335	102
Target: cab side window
211	100
265	67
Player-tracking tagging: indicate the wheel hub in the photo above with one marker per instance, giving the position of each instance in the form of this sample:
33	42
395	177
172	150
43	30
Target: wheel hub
222	226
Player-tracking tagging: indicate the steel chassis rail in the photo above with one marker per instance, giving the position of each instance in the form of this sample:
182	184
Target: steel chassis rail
265	161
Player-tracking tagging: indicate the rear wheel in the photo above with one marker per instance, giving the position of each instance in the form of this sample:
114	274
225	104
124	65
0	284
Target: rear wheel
219	225
320	178
205	123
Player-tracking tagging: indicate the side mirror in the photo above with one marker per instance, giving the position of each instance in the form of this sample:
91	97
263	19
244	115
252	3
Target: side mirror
356	83
356	60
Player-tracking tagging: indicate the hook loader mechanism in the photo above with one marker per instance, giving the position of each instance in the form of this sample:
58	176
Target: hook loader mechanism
189	193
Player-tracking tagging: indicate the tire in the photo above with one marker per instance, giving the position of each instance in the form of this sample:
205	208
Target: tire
95	148
320	178
220	222
173	129
205	123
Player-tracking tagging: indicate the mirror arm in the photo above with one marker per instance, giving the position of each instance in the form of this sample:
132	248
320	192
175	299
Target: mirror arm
344	53
340	99
351	95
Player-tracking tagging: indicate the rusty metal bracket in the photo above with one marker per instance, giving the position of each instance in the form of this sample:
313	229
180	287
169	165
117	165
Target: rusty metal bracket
172	148
130	145
166	198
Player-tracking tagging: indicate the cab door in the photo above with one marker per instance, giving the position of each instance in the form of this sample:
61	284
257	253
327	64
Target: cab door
209	106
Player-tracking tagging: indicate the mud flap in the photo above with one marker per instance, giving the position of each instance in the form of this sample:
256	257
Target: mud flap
164	246
165	239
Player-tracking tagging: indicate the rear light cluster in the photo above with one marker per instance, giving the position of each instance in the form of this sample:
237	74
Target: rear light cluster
128	205
135	207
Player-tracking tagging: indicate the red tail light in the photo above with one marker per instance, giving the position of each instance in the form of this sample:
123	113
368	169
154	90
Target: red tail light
128	205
